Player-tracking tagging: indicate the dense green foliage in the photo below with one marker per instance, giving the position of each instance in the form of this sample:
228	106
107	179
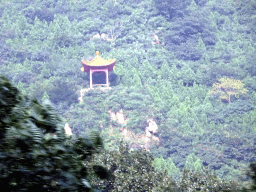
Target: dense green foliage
34	153
167	78
134	171
33	158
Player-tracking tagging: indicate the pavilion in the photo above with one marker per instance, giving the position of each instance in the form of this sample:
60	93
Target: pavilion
99	69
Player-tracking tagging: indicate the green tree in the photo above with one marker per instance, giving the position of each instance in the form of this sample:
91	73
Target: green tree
165	70
35	154
188	75
226	88
193	6
147	71
205	181
201	46
252	174
175	74
171	168
133	171
45	96
119	69
45	73
136	80
159	164
163	165
21	86
193	163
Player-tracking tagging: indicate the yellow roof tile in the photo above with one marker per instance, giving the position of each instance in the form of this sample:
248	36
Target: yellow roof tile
98	61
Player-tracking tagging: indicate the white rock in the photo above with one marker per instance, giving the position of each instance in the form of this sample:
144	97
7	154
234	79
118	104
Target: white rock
67	129
82	92
120	117
152	126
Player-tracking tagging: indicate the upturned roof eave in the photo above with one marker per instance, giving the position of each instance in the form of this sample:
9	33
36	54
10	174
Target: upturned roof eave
98	64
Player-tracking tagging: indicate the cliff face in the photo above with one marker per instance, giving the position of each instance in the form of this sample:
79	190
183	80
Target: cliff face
136	140
118	117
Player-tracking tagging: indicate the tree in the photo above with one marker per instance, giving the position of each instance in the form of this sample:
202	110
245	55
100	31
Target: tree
136	80
162	165
205	181
165	70
35	154
147	72
193	163
133	171
172	8
253	176
45	96
159	163
226	88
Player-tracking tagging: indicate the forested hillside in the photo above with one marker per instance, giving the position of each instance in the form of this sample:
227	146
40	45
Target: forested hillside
188	66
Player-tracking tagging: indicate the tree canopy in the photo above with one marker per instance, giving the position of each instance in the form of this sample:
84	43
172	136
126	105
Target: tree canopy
35	153
227	87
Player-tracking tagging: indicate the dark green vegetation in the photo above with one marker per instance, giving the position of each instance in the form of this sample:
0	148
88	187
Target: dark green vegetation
199	42
34	153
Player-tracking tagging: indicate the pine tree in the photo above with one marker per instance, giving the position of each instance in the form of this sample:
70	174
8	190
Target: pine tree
226	88
45	97
193	163
171	168
165	70
136	80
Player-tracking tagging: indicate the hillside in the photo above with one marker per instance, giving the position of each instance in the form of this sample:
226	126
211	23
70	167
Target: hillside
171	59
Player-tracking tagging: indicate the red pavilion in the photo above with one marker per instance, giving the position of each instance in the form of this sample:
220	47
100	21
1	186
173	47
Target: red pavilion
98	68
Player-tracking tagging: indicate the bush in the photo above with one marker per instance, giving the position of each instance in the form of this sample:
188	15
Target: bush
35	154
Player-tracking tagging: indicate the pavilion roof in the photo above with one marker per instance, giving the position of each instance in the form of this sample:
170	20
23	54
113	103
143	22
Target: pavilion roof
98	61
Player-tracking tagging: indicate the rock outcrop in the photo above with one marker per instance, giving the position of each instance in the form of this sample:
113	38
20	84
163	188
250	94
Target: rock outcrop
82	92
118	117
68	130
142	140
